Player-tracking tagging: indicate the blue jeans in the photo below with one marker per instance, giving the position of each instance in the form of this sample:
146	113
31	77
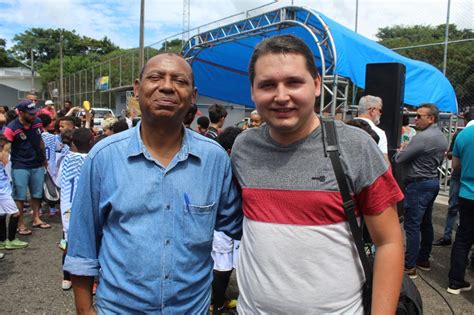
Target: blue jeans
419	199
463	241
453	208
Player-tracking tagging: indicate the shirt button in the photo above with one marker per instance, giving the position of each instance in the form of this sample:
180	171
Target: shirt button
167	276
168	207
167	242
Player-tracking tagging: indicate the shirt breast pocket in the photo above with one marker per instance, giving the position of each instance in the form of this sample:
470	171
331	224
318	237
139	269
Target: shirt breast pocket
199	224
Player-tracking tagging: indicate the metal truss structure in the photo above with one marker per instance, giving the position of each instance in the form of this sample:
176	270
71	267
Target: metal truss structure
334	90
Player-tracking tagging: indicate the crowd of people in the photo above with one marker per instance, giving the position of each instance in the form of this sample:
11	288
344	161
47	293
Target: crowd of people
262	199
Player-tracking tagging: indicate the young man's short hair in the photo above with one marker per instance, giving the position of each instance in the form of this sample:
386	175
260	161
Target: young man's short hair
70	119
432	110
203	122
45	119
283	44
119	126
82	139
216	112
227	138
66	136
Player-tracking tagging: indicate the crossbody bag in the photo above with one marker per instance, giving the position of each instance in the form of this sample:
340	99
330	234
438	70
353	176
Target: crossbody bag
409	301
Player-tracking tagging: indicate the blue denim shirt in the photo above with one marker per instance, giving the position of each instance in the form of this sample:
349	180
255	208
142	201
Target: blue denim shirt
147	230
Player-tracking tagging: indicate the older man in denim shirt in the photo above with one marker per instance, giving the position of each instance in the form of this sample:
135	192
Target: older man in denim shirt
147	203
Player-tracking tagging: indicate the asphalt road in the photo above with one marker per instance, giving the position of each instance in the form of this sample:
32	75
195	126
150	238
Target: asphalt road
30	279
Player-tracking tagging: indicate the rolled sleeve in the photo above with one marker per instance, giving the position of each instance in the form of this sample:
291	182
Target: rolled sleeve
81	266
85	228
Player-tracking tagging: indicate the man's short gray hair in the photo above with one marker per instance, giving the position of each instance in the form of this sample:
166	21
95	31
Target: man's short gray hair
254	112
367	102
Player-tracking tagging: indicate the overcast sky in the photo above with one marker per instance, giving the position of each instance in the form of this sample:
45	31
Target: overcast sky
119	19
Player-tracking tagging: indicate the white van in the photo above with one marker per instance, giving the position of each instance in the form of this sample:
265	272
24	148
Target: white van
99	114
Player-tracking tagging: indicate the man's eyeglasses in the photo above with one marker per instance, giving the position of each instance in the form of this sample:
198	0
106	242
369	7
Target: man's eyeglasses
418	116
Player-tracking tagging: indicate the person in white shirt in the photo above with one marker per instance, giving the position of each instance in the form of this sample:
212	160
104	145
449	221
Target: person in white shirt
370	110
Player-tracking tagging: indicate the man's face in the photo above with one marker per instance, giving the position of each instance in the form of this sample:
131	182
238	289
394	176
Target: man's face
376	113
285	92
255	121
422	119
65	125
165	91
29	118
67	105
32	98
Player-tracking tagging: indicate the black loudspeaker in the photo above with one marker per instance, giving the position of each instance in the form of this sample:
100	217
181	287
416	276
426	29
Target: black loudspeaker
387	81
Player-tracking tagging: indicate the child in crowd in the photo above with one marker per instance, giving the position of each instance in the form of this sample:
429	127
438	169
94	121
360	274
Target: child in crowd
70	170
7	208
224	249
51	145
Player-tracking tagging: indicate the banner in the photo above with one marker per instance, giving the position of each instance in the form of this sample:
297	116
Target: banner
102	83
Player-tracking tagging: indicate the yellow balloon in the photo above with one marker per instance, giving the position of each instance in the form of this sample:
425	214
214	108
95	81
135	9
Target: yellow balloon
86	105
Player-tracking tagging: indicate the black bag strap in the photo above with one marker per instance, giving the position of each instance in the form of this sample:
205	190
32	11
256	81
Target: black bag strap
329	136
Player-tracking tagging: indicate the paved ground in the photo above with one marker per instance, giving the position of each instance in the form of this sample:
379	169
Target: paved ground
30	279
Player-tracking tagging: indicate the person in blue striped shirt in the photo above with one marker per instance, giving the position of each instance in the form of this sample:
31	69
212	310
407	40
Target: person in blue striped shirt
50	146
71	169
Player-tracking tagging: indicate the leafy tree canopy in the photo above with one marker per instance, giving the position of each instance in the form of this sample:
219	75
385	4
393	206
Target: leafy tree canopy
45	45
460	61
5	61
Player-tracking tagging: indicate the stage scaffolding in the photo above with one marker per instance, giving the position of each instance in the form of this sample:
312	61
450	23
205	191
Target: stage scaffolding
334	91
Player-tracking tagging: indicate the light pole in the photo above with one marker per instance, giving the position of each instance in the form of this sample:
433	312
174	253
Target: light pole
141	54
61	71
445	57
32	72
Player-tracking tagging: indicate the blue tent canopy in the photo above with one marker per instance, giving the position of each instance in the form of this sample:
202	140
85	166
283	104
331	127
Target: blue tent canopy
220	69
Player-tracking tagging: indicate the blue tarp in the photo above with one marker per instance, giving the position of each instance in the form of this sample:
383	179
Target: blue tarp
221	70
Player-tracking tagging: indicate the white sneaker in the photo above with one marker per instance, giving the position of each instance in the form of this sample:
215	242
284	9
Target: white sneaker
66	285
2	255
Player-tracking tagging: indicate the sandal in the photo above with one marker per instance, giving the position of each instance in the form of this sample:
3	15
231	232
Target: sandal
24	231
42	225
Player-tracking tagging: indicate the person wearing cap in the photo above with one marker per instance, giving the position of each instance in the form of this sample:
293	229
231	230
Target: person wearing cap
27	155
51	112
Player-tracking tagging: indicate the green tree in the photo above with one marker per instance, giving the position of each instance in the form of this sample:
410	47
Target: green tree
45	45
173	46
5	61
460	62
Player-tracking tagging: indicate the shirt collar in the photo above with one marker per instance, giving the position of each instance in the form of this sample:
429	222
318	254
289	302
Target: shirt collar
189	145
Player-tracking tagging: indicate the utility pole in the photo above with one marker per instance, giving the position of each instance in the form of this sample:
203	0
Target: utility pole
186	21
141	51
32	72
446	35
61	71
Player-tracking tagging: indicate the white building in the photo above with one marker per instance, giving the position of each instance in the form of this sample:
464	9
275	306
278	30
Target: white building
15	83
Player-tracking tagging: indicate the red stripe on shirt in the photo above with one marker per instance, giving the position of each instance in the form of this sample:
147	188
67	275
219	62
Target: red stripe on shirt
303	207
299	207
377	197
